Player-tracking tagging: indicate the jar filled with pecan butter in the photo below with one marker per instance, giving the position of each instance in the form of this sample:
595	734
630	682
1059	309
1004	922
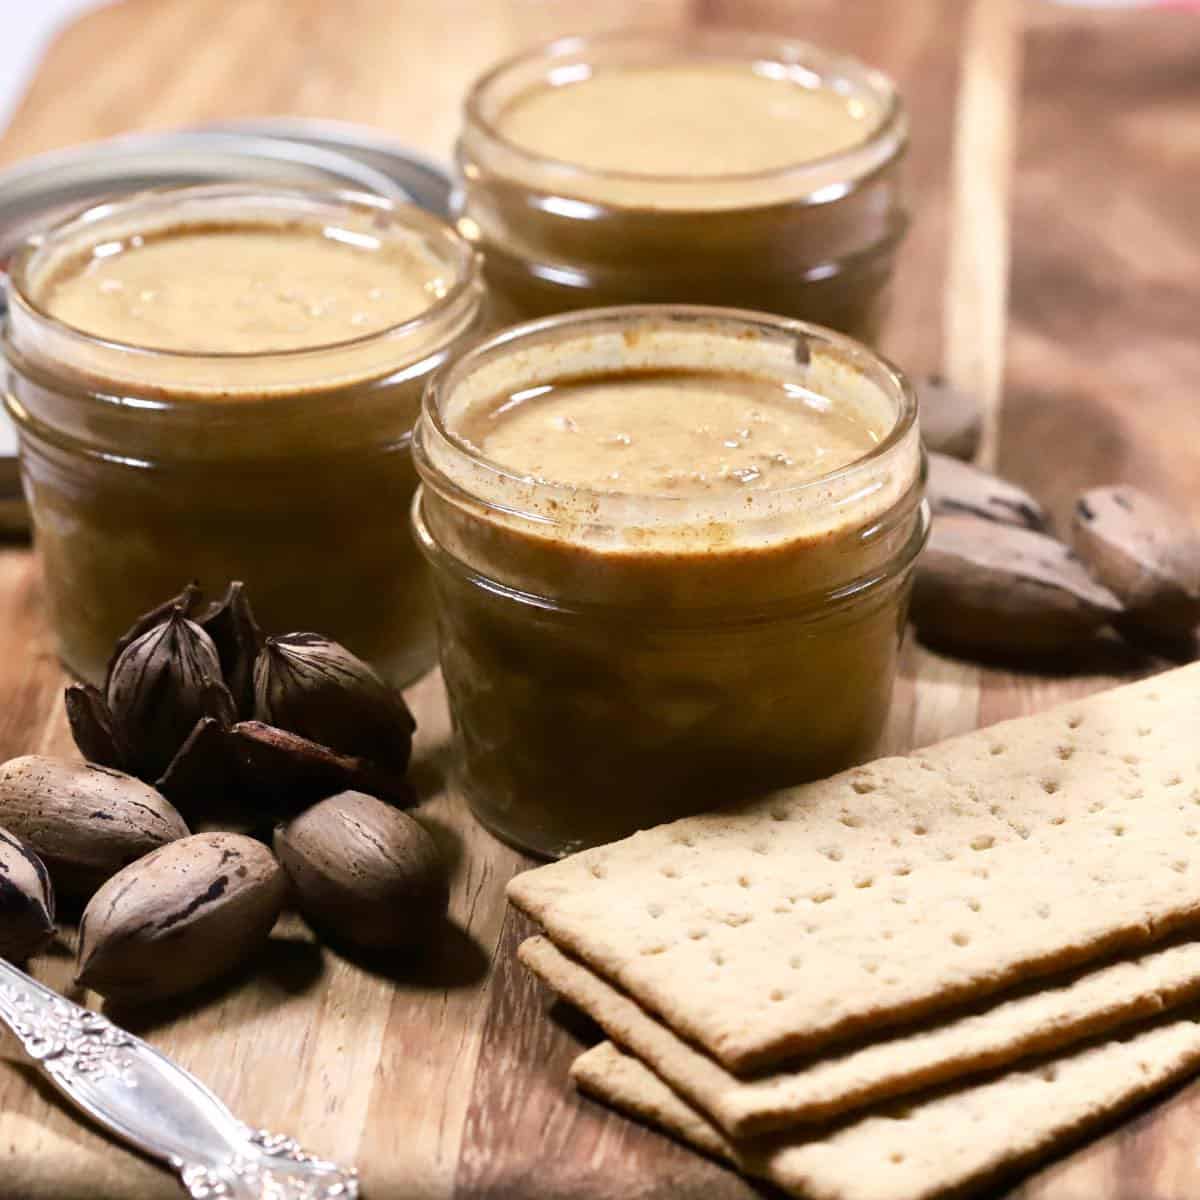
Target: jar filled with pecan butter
220	383
701	168
672	548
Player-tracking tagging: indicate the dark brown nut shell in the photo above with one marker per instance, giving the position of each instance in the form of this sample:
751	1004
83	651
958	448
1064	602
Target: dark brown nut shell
1146	553
994	588
315	687
284	772
951	418
26	900
188	601
85	822
365	871
202	780
92	726
159	686
180	917
235	633
956	489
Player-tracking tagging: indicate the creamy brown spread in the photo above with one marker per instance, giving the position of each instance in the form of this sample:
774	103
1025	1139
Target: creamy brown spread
268	350
655	170
688	119
243	289
685	504
674	433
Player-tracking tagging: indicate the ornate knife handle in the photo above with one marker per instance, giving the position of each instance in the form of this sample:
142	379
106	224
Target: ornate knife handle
144	1099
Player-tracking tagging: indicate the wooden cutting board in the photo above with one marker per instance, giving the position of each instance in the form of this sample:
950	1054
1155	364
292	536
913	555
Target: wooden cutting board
1068	137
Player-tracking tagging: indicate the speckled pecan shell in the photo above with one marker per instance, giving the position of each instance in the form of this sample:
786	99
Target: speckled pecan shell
182	916
84	821
367	872
26	900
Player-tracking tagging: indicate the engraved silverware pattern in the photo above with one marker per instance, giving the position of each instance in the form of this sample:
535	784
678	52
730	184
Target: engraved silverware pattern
143	1098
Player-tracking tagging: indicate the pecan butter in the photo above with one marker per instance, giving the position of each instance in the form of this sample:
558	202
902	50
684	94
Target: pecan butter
220	383
672	552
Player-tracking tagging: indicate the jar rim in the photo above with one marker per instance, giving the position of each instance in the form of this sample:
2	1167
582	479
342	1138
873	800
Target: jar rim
453	249
891	124
431	422
816	605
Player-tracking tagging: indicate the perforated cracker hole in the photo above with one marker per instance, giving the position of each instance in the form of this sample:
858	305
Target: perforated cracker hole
1075	720
896	1157
743	881
902	869
1059	820
961	939
733	920
697	935
974	904
919	830
1049	1074
822	895
670	872
657	948
833	853
849	820
1096	806
899	898
1179	865
717	958
598	870
984	841
1049	786
655	910
778	994
1118	830
1064	751
1131	760
864	787
779	814
864	881
996	749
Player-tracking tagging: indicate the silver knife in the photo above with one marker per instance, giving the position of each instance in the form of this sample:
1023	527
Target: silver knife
143	1098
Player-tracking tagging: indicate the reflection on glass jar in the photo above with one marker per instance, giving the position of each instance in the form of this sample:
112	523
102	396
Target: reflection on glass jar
700	168
220	382
672	550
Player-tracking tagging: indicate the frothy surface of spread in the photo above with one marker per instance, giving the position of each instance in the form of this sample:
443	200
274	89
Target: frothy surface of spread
244	289
670	433
688	119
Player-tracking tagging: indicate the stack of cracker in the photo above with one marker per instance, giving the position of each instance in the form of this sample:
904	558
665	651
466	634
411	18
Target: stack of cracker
902	980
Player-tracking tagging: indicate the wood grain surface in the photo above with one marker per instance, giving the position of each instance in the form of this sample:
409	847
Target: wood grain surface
1052	266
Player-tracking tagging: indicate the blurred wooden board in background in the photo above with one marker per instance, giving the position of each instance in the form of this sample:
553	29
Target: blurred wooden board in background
1052	265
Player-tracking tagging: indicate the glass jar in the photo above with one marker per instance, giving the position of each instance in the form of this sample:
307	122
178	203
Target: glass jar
289	469
811	239
618	659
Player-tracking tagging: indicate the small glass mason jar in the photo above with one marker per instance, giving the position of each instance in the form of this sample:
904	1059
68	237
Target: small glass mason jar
617	659
813	239
289	469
